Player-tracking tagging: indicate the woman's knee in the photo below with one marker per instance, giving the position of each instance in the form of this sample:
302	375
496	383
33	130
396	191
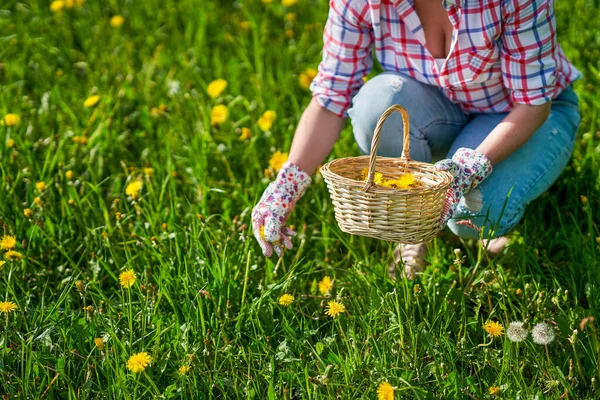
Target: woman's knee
376	96
474	218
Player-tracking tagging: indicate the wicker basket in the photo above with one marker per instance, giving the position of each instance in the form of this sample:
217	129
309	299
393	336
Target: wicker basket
401	215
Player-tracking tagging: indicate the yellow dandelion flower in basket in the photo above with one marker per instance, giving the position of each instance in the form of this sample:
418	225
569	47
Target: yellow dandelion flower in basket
400	201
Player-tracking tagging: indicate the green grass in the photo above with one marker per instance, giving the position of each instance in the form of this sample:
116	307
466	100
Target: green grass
203	287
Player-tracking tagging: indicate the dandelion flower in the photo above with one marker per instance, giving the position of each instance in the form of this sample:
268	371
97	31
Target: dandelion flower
184	369
218	115
148	171
117	21
99	343
133	189
12	120
542	334
245	134
334	308
40	186
216	87
519	291
286	299
245	25
377	176
13	255
38	201
266	121
91	101
69	174
138	362
288	3
516	332
305	78
277	160
57	6
79	286
127	278
7	307
494	329
8	242
405	181
28	212
2	262
325	285
385	391
494	390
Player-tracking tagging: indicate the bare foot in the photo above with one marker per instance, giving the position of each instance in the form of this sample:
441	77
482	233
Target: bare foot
413	259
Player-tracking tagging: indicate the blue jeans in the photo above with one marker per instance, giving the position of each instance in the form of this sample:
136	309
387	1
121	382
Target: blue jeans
439	127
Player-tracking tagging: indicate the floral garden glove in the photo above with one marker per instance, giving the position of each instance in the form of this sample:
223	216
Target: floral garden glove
469	168
277	202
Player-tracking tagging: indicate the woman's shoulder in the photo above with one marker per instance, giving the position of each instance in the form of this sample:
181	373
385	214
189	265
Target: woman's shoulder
357	12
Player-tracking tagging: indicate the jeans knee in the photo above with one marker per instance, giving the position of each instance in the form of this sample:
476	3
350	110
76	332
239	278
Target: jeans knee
376	96
474	220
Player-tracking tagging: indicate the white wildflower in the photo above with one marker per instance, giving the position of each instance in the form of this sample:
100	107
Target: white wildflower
543	334
516	332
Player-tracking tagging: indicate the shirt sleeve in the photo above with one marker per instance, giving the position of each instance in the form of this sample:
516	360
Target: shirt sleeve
529	50
347	58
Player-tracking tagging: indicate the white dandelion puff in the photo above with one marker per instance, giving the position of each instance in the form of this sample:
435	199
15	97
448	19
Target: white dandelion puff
543	334
516	332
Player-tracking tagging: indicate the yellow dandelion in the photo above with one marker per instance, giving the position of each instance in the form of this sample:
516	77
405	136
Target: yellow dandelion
277	160
385	391
2	262
290	17
99	343
218	115
38	201
494	390
79	286
40	186
377	176
286	299
216	87
334	308
289	33
127	278
69	174
80	139
148	171
7	307
8	242
519	291
325	285
57	6
288	3
405	181
133	189
305	78
245	25
494	329
91	101
245	134
10	143
12	120
116	21
138	362
184	369
13	255
265	122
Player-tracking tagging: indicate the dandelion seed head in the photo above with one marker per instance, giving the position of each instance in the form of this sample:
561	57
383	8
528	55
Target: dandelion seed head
543	334
516	332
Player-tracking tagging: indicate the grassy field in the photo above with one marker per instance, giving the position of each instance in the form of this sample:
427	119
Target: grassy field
139	179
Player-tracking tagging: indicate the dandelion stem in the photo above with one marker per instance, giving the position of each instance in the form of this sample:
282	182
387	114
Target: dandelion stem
130	317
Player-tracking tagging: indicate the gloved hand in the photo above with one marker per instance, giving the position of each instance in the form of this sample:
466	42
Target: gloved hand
277	202
469	168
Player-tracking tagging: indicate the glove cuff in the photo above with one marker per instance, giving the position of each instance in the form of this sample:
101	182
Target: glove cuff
293	180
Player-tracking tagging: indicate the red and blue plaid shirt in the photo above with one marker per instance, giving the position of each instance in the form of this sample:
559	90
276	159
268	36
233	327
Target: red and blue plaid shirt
502	52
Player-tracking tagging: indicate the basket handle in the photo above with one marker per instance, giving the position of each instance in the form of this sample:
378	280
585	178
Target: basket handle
375	142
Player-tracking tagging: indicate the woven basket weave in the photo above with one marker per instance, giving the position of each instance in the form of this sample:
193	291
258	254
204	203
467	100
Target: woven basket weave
400	215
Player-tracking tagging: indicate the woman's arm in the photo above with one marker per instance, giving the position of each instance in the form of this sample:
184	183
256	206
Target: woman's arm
315	136
514	130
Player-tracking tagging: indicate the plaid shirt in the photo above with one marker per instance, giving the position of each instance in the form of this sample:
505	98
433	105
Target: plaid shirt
502	52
